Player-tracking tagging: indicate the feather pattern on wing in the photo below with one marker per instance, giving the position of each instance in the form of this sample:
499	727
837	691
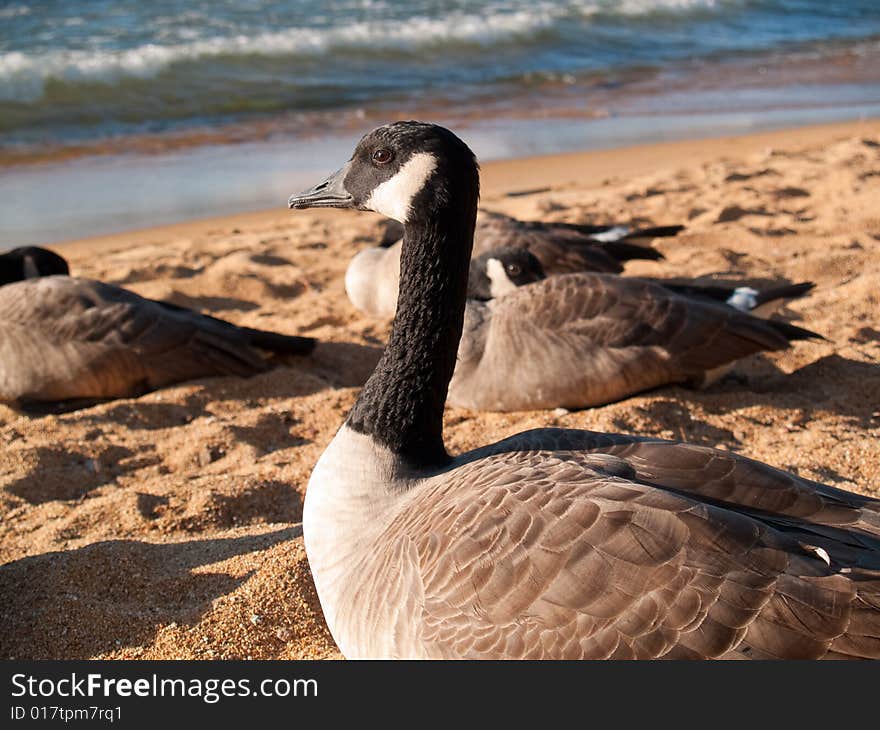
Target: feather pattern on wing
585	339
63	338
569	544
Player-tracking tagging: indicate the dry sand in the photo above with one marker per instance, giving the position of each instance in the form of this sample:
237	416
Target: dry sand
167	526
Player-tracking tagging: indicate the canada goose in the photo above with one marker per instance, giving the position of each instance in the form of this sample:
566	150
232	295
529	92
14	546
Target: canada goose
552	543
371	279
588	339
499	272
70	339
560	247
582	340
28	262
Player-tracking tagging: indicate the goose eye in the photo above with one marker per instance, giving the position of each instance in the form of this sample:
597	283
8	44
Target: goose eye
382	156
513	269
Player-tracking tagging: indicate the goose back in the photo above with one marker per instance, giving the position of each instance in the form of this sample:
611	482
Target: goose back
63	338
570	544
582	340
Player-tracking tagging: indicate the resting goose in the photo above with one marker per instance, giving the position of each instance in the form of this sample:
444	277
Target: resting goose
560	247
499	272
552	543
68	339
371	279
582	340
29	262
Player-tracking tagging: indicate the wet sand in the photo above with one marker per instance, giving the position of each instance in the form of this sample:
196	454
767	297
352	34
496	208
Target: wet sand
167	526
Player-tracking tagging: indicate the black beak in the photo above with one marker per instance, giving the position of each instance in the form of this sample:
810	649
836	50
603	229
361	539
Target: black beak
329	194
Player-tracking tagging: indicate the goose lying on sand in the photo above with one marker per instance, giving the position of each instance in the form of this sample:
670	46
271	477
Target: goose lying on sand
64	339
581	340
553	543
560	247
371	279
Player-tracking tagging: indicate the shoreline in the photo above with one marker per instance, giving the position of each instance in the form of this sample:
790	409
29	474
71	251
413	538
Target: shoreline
511	177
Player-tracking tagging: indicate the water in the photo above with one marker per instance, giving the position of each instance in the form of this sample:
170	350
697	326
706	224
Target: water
107	194
84	70
238	103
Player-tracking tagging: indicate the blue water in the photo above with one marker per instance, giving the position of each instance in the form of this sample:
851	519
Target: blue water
86	69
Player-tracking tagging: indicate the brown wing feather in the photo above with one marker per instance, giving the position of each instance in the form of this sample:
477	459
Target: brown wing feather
552	556
560	250
70	338
585	339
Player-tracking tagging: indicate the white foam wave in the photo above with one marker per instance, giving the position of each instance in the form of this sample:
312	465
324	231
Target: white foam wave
14	11
23	76
644	7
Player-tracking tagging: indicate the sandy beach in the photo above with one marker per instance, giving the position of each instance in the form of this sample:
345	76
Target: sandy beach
167	526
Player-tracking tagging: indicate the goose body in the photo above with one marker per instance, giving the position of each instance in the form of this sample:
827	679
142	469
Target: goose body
64	338
560	247
553	543
564	544
581	340
371	280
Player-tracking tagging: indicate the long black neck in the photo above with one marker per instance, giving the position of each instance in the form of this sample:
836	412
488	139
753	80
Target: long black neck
402	403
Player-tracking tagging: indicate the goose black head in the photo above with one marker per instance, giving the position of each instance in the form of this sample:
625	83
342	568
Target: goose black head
500	271
401	170
30	262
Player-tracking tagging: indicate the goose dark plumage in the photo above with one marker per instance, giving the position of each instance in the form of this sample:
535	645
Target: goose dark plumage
560	247
28	262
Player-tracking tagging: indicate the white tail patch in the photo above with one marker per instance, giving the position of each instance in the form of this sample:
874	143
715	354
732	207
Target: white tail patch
499	282
393	197
744	298
612	234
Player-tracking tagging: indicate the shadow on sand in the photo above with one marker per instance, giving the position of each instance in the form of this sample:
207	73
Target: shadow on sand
79	603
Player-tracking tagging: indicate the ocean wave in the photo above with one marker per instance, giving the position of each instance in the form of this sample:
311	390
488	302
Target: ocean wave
14	11
23	75
649	7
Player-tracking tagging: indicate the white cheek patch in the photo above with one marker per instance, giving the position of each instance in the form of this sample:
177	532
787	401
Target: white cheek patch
499	282
393	197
